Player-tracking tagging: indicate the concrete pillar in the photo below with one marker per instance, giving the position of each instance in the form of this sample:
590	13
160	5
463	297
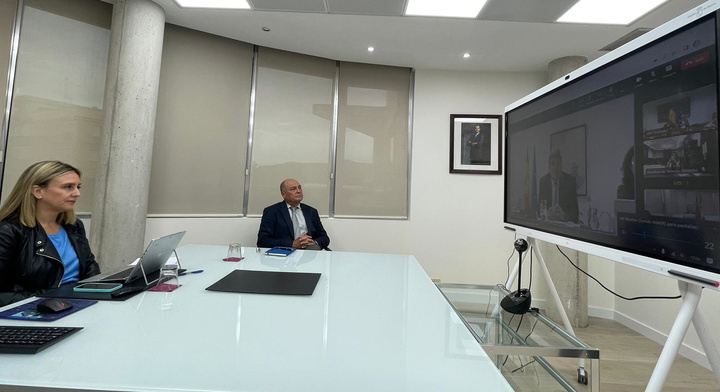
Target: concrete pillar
570	283
117	231
563	66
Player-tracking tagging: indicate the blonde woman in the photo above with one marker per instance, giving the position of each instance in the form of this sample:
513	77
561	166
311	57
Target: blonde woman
42	244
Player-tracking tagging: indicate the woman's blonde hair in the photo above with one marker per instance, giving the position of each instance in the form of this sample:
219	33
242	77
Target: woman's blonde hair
21	204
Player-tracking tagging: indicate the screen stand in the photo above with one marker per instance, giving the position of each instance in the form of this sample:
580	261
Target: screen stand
145	276
582	373
688	312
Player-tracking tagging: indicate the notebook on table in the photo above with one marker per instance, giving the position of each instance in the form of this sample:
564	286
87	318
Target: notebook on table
267	282
281	251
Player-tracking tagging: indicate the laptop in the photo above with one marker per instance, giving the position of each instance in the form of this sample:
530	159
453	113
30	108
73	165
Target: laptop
155	256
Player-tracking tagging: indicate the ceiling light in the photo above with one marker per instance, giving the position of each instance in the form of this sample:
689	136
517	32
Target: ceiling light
371	49
448	8
466	55
228	4
266	29
621	12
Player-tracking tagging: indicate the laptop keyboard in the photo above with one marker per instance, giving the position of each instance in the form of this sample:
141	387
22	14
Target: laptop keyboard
30	340
122	275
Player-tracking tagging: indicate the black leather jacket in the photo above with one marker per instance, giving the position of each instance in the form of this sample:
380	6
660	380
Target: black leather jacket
30	264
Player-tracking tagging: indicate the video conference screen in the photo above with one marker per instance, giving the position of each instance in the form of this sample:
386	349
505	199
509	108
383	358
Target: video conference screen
626	156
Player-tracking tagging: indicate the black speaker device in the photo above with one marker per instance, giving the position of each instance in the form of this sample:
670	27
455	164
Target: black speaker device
518	302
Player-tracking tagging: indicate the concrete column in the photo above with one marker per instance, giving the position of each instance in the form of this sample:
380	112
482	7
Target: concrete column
563	66
117	231
570	283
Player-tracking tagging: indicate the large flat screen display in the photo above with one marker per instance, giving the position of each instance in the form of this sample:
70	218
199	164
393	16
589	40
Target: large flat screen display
625	154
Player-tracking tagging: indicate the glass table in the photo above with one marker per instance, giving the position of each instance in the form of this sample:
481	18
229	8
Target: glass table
524	345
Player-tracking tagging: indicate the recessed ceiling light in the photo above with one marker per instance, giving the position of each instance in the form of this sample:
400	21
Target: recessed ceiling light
265	29
448	8
229	4
466	55
371	49
621	12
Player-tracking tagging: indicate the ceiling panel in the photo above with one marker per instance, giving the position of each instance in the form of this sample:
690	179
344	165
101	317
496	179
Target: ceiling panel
625	39
525	11
348	27
289	5
367	7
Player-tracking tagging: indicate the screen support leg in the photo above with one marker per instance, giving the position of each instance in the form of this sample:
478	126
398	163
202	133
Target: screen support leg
708	344
556	297
688	313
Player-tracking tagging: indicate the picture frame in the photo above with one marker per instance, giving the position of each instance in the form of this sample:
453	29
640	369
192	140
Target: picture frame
476	143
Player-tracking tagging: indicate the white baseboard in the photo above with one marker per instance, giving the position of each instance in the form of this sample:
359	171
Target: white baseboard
539	303
686	351
603	313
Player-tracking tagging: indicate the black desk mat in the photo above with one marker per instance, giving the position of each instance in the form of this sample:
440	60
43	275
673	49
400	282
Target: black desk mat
66	291
267	282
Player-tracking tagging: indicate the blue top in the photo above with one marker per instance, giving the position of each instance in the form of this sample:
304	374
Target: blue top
67	255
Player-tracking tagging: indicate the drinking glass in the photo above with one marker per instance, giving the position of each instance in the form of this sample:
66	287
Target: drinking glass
234	252
168	280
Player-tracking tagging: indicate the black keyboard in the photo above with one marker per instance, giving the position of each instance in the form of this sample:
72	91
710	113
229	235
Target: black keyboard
122	275
30	340
126	290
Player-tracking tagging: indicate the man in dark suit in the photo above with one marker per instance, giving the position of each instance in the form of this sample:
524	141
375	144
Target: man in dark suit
479	144
558	191
291	223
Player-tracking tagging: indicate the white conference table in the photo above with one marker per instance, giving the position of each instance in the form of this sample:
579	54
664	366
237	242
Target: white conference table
374	323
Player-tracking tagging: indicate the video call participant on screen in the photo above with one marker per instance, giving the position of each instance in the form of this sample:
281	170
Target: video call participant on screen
558	190
674	162
42	244
291	223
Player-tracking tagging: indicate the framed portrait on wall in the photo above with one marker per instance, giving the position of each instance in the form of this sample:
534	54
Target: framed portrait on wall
475	143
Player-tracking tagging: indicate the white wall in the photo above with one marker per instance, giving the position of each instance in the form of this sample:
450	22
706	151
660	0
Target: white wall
455	227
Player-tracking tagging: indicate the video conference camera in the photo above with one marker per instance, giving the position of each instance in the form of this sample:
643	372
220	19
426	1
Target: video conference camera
518	302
